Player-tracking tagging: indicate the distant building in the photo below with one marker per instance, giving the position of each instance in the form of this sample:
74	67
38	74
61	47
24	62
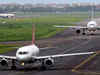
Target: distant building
83	4
54	5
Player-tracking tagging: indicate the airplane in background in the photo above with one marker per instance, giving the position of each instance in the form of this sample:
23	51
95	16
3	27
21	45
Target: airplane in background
91	26
29	55
7	15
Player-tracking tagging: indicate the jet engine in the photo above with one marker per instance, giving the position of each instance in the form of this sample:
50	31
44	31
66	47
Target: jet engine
4	62
48	62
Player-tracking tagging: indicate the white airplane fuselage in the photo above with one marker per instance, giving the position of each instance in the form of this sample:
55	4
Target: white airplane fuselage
7	15
92	26
25	53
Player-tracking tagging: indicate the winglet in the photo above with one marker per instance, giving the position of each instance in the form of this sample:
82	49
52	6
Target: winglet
33	34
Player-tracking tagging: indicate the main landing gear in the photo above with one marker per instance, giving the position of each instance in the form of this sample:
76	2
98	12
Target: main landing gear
84	32
13	67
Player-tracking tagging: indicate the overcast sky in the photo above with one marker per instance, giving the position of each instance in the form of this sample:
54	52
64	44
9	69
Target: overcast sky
46	1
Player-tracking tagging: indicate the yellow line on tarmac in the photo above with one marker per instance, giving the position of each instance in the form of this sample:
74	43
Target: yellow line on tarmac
84	62
88	73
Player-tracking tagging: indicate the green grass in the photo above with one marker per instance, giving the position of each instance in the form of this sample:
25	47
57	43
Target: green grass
21	28
6	48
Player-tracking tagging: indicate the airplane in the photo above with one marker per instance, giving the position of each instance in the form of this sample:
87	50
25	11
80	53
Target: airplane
92	25
7	15
30	55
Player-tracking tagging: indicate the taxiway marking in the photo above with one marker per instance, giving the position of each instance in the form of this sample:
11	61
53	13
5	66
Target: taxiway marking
87	73
75	69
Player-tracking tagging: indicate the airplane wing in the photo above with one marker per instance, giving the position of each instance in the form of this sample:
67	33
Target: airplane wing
63	55
74	27
98	27
7	57
50	56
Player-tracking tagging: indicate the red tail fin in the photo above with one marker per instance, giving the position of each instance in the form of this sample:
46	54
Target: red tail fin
33	34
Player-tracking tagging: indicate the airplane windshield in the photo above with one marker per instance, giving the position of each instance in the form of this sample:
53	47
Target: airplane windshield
92	24
23	53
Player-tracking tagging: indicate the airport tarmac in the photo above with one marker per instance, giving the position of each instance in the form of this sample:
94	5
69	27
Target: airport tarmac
66	42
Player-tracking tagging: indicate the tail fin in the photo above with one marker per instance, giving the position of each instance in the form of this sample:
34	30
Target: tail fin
92	10
33	34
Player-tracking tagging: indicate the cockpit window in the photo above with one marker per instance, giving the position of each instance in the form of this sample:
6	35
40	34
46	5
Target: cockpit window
20	53
23	53
92	24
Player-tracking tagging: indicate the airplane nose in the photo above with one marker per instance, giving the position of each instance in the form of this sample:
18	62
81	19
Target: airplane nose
23	58
91	26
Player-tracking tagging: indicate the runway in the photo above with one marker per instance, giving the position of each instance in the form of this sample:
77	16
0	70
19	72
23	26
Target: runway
66	42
